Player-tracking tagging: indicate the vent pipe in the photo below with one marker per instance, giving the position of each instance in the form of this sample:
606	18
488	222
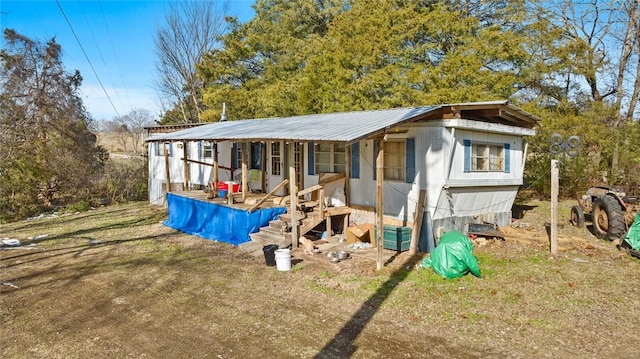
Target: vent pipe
223	117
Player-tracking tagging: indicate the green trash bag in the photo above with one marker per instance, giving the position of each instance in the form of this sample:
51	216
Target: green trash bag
633	235
453	256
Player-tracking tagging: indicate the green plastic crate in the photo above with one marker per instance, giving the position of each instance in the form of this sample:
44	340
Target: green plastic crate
396	238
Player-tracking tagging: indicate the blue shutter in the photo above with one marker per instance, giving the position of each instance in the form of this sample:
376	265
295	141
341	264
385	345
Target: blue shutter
375	152
154	148
170	144
234	156
200	150
507	157
410	160
467	155
355	160
311	166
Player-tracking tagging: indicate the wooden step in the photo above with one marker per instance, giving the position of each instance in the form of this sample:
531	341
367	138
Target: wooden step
277	224
265	238
251	247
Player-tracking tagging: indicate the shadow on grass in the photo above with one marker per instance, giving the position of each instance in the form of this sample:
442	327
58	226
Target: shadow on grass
518	210
342	345
78	249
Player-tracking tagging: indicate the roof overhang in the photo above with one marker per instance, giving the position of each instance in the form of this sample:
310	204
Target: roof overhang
349	127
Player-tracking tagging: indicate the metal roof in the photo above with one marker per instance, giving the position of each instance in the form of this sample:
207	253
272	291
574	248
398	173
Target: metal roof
346	127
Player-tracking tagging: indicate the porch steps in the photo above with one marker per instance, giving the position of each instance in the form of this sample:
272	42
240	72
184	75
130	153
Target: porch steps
279	231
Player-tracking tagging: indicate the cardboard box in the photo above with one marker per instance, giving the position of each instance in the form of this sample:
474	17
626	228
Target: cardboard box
361	233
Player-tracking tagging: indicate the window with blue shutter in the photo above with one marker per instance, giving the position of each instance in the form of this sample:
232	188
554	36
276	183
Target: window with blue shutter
467	155
234	156
507	157
355	160
311	167
200	149
410	160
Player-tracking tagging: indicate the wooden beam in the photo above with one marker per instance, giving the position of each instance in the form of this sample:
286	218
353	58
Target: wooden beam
333	177
417	223
263	169
293	205
216	165
309	190
245	185
185	150
379	199
347	174
167	171
264	199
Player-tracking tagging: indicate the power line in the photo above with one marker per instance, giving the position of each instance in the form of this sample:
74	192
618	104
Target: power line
87	57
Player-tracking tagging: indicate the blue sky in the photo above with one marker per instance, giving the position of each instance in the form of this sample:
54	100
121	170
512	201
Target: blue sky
117	37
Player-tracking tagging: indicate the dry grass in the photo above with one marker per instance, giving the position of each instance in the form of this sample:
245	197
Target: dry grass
145	290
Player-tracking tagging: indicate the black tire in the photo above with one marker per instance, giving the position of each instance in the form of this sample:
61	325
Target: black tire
577	217
607	218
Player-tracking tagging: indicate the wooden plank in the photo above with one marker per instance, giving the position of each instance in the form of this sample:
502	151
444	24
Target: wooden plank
417	223
333	177
216	166
185	150
265	198
167	171
347	175
309	190
294	205
245	184
207	163
379	199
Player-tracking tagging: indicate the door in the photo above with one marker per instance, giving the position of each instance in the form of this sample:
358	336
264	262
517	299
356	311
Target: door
294	153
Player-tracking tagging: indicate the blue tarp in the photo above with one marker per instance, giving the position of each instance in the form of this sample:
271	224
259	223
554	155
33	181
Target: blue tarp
216	221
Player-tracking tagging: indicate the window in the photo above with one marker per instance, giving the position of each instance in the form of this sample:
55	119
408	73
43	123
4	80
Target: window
486	157
255	162
394	160
276	163
399	160
329	158
207	149
160	148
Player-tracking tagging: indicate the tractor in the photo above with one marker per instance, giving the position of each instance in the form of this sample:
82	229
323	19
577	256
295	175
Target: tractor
609	209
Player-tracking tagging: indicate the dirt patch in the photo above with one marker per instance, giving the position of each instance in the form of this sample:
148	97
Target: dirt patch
115	282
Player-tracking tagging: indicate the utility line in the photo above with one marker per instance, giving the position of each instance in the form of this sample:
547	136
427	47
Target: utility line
87	57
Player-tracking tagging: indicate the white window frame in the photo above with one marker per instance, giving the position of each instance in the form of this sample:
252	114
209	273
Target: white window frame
207	149
160	149
487	157
395	156
276	158
329	157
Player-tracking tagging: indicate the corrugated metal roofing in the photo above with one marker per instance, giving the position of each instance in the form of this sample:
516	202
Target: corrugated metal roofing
335	127
346	127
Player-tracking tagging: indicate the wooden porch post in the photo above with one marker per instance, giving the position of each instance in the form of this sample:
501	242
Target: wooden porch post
293	193
245	185
216	169
185	151
379	197
347	177
167	171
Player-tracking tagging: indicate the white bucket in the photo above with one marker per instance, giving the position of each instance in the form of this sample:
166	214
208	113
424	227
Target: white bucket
283	259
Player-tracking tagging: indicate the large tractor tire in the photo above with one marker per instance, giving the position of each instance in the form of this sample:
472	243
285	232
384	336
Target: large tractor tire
608	218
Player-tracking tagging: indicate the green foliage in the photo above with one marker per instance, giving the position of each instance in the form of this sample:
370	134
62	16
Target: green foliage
124	181
48	153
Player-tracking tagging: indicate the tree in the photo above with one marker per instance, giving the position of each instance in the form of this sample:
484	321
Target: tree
191	29
321	56
133	124
48	152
